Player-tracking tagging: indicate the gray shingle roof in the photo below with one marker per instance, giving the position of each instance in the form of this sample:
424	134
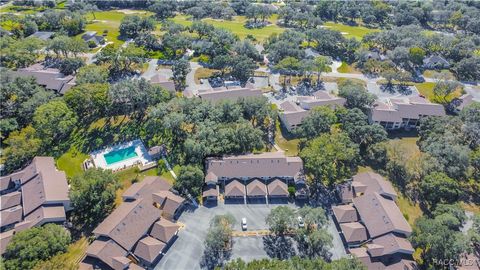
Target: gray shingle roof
272	164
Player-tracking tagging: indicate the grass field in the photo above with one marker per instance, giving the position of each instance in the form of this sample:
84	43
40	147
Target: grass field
346	68
71	162
426	89
68	260
110	21
289	145
350	31
203	73
236	26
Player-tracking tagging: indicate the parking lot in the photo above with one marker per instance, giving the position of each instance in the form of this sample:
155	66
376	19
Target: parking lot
187	250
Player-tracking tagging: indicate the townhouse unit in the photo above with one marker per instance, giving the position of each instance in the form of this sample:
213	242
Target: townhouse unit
139	231
371	224
229	93
32	197
50	78
263	176
396	113
293	112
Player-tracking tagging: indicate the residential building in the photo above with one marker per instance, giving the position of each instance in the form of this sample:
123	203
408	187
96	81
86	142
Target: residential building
293	112
396	113
253	176
371	224
139	231
36	195
91	36
163	81
230	93
49	77
43	35
435	62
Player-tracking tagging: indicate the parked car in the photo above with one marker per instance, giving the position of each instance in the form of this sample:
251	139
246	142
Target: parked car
244	224
301	224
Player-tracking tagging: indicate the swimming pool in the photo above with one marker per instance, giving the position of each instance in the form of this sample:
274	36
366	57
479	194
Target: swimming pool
120	155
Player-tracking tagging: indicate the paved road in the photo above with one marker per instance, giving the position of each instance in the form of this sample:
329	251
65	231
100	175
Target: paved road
151	70
193	88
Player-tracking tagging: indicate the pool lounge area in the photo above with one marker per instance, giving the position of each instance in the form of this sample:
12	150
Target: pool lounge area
122	156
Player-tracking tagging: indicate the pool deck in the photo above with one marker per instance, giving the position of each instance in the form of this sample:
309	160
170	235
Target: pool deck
142	156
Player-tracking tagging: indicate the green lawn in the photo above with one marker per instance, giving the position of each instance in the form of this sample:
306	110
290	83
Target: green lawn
109	20
426	89
289	145
350	31
346	68
236	26
71	162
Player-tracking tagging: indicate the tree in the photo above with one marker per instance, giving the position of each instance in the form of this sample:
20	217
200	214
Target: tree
29	247
313	217
218	242
132	25
21	147
54	120
330	158
356	95
320	65
88	100
439	188
295	263
417	55
92	74
180	70
288	66
443	89
438	241
317	122
242	68
281	220
315	243
64	46
468	69
70	66
92	196
190	180
163	9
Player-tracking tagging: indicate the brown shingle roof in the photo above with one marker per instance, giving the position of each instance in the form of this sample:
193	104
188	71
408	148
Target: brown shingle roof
362	255
120	262
45	214
345	213
48	186
149	248
354	232
5	238
106	251
256	188
146	188
10	199
234	189
210	191
211	177
168	201
277	188
369	182
272	164
129	222
380	215
164	230
390	244
11	215
407	265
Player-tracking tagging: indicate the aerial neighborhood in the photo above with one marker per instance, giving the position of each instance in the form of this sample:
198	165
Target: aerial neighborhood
239	135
